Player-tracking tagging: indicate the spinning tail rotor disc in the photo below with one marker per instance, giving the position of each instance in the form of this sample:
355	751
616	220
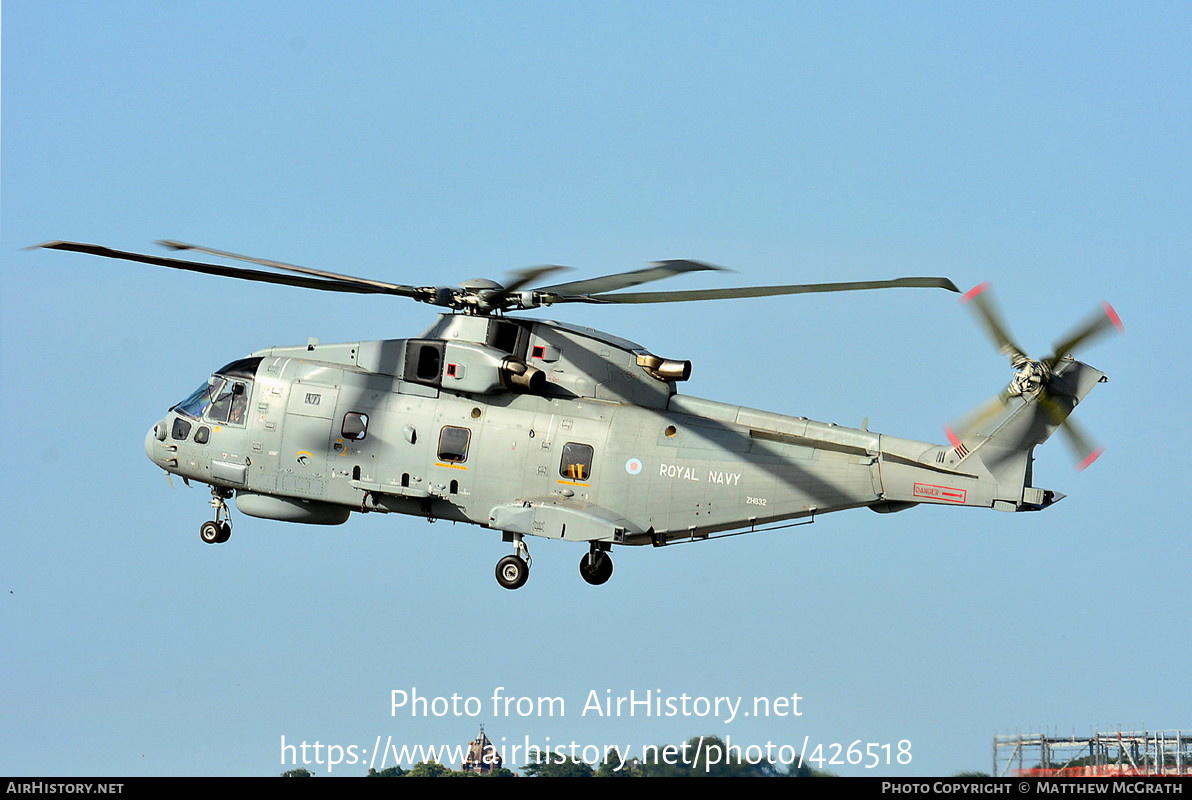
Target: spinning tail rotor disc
1032	377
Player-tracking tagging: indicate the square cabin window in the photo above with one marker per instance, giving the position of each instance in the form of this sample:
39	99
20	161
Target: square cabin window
355	426
577	461
453	444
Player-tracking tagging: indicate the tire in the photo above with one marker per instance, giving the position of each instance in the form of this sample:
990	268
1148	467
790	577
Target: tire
512	572
225	532
598	574
210	532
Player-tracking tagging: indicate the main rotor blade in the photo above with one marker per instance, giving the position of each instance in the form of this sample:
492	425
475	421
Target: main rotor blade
393	288
763	291
326	285
1097	324
623	280
988	314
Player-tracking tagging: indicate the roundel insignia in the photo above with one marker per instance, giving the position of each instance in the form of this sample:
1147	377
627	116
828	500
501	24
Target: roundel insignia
633	466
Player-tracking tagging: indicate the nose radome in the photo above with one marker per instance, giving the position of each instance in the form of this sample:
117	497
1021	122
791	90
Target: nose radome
151	443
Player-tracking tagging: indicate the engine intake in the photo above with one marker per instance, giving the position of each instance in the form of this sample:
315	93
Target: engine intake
471	368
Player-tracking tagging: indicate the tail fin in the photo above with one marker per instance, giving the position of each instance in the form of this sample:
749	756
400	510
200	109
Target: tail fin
990	465
1004	444
989	461
1025	421
1053	385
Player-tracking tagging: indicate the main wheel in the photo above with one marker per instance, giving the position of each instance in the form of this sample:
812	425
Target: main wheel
225	532
210	532
512	572
598	574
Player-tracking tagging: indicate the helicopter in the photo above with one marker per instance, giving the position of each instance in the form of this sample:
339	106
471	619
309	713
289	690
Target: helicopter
532	427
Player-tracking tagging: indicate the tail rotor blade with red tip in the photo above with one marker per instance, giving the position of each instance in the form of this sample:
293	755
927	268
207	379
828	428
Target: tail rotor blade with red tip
1098	323
972	422
980	299
1085	450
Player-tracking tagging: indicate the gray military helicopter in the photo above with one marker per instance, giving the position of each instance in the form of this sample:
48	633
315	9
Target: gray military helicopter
539	428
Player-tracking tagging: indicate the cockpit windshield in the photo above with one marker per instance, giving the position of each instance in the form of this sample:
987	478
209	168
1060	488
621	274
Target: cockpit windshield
224	397
197	403
220	400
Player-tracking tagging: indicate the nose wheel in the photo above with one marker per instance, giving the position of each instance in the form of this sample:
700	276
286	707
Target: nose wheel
219	530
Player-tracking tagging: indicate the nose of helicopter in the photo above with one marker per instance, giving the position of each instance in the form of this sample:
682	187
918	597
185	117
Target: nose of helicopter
151	442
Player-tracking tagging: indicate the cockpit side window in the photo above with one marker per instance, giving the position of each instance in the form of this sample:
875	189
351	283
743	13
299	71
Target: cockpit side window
239	404
231	404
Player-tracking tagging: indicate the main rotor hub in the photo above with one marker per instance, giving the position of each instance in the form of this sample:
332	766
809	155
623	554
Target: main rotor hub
479	284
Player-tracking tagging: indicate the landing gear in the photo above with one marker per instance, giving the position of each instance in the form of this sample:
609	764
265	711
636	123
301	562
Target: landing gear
217	531
209	532
513	571
596	567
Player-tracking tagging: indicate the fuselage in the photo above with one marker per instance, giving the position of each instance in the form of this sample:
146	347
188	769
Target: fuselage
594	444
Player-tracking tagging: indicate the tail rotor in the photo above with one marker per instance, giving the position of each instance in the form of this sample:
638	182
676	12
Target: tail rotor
1033	378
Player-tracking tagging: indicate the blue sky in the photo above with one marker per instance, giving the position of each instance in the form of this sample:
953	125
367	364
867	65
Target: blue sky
1043	147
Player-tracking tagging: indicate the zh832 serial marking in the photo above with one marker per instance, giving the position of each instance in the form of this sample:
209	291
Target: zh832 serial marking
539	428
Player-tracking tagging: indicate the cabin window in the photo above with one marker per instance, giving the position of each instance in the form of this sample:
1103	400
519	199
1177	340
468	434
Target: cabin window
577	461
355	426
202	435
453	444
